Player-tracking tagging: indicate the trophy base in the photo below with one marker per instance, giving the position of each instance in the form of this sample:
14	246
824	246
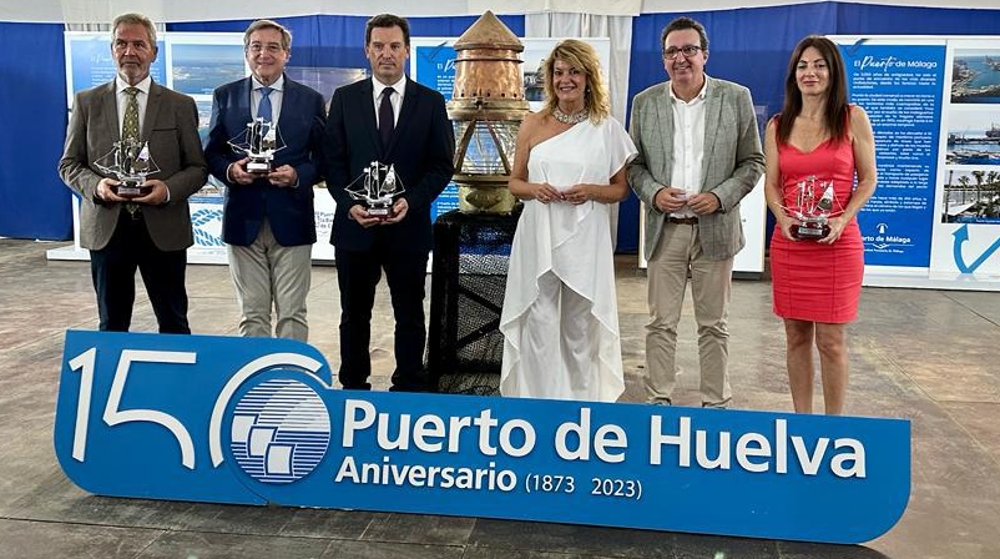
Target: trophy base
810	232
131	190
381	212
259	167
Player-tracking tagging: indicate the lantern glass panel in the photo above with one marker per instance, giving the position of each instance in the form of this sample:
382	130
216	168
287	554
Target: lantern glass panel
482	155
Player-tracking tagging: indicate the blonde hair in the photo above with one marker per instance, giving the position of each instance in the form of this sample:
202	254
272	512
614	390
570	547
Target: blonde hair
583	57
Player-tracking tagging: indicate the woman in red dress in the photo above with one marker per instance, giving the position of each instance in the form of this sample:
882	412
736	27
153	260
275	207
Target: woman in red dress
814	149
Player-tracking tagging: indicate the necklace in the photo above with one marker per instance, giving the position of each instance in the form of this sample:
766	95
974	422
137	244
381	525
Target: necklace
571	119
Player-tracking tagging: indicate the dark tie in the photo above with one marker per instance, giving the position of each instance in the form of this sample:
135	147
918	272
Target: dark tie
264	108
385	117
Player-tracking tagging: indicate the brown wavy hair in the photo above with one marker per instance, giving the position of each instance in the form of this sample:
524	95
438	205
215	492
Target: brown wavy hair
835	115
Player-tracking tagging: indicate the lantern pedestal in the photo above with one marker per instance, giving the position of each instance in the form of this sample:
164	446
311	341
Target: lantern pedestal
464	344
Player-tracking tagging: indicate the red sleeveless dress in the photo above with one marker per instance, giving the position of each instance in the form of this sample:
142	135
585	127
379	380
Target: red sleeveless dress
812	281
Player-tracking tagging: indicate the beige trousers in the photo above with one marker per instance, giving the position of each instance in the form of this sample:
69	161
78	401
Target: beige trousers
677	253
267	273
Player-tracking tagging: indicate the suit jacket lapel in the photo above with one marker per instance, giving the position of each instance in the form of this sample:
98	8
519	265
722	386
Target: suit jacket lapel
244	100
367	108
409	105
152	110
665	118
289	96
111	112
713	125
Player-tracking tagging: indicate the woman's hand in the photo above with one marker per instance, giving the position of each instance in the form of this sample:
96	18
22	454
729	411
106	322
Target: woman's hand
837	225
785	224
578	194
545	193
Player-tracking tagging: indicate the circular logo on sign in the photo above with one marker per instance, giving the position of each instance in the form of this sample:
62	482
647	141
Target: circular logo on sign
280	431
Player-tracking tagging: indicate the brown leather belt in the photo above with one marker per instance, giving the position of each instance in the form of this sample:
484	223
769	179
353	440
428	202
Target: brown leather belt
683	220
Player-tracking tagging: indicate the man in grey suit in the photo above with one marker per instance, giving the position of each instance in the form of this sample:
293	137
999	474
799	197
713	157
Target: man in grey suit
699	155
151	232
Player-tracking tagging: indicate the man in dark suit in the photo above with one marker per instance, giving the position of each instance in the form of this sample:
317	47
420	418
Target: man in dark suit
396	121
150	233
268	223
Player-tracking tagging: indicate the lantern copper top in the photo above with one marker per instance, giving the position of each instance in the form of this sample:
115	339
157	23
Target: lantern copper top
488	33
488	74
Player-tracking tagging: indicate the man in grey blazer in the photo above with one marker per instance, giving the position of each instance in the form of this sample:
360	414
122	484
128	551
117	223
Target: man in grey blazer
699	155
152	232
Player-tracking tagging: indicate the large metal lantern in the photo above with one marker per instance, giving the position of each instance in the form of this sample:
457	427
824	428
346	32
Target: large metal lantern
486	109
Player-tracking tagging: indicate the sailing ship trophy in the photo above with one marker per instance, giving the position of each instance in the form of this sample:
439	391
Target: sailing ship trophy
377	188
258	142
813	209
129	161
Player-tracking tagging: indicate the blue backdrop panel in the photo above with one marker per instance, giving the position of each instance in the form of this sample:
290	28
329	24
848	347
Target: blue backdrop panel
870	19
338	41
34	203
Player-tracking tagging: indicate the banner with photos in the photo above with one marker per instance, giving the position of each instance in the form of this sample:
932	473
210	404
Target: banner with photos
934	103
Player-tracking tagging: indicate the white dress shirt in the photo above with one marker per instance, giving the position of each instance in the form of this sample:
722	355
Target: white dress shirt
142	99
689	146
397	99
276	96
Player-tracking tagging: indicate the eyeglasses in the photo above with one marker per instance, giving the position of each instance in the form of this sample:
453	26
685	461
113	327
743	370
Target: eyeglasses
687	50
271	48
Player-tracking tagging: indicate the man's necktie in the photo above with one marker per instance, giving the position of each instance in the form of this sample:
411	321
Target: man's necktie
130	124
130	132
264	108
385	117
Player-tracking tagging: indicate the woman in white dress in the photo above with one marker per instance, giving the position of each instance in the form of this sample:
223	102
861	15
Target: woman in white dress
560	313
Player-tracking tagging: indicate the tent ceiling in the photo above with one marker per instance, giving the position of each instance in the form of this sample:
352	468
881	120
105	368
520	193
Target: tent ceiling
89	11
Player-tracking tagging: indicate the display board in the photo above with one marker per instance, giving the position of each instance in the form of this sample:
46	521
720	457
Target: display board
934	103
260	422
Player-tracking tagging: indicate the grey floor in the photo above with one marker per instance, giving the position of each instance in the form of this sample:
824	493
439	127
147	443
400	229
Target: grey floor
930	356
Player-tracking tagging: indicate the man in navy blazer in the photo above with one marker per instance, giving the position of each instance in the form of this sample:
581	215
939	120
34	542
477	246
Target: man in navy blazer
398	122
268	222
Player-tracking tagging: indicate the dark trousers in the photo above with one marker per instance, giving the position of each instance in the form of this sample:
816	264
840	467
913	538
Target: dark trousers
357	275
113	270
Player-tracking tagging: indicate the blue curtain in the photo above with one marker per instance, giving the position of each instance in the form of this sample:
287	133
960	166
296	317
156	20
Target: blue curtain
339	40
34	203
